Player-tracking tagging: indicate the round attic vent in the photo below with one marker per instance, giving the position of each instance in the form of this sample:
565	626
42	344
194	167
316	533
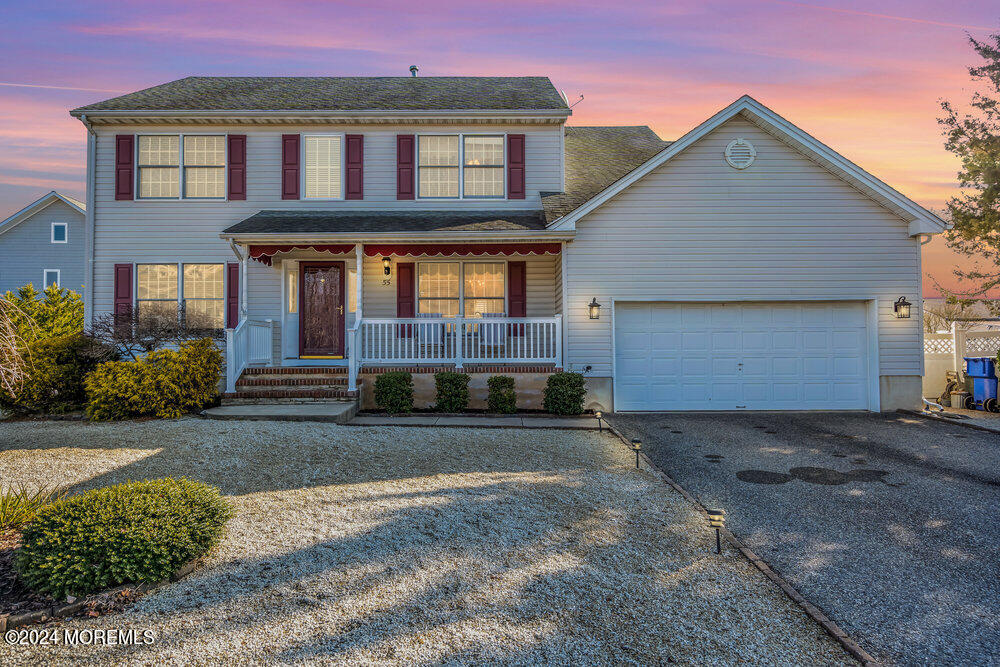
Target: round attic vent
740	153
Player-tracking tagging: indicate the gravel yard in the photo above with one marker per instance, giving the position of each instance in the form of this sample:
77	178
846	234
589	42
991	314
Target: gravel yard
389	544
888	523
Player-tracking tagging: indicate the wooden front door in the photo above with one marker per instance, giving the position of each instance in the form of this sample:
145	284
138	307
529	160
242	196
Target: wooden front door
321	309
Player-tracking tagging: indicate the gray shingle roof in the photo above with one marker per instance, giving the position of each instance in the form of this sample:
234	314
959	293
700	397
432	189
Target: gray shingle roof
354	93
318	222
596	157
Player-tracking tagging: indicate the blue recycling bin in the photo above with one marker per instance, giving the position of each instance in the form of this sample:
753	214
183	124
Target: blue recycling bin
982	370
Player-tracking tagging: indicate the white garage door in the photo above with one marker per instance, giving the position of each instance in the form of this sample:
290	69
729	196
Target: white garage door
731	356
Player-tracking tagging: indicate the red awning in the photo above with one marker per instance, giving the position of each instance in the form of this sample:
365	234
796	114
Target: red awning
464	249
264	253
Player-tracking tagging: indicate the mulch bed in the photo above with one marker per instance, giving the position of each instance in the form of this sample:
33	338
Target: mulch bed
15	598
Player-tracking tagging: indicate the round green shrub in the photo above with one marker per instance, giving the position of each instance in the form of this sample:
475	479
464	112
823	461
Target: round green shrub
394	392
564	394
452	391
127	533
501	397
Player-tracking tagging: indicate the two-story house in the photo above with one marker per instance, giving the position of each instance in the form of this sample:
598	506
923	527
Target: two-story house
356	224
42	244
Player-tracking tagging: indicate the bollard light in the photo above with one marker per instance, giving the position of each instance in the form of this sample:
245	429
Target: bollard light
598	414
717	520
637	446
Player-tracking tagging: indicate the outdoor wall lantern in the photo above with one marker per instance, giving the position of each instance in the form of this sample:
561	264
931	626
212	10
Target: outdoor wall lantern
386	265
637	446
595	309
902	308
717	520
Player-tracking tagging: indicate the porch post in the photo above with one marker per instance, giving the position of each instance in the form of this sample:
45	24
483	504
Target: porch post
244	256
359	259
354	335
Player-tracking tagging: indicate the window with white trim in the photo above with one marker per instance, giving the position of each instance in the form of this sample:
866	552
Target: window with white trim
60	232
323	166
156	293
163	166
460	166
50	277
204	296
448	289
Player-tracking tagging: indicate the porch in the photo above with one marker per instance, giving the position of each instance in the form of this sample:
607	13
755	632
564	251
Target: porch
359	308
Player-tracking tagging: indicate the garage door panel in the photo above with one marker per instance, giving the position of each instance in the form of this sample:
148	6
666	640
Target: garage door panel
768	355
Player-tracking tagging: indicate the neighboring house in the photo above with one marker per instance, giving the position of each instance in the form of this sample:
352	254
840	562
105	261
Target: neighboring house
427	223
43	244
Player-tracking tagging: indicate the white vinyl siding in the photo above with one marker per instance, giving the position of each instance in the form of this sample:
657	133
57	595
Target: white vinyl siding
323	171
156	231
695	229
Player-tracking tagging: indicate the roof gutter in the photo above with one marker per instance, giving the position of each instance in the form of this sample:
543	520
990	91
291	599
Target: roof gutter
311	113
409	237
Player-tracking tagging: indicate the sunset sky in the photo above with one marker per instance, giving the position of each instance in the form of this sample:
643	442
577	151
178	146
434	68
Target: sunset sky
864	77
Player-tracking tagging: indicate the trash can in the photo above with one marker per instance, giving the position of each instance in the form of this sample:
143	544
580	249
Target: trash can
982	370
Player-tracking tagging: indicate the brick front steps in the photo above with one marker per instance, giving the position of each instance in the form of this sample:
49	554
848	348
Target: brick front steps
290	384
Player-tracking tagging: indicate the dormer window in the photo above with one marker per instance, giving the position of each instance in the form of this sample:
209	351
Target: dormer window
457	166
164	166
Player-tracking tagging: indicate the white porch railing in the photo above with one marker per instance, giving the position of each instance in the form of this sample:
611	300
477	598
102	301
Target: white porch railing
249	343
459	340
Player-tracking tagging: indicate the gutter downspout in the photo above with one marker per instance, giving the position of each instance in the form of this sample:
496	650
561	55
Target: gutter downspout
88	247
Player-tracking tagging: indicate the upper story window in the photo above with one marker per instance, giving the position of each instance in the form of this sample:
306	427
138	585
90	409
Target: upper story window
323	159
60	232
457	166
168	161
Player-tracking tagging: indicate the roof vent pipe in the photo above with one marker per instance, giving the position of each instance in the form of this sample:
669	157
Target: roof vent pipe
413	70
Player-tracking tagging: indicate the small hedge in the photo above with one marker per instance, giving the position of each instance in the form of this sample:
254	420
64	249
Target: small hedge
452	391
164	383
501	397
132	532
56	371
564	394
394	392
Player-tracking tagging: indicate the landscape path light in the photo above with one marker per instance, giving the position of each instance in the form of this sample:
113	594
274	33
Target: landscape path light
717	520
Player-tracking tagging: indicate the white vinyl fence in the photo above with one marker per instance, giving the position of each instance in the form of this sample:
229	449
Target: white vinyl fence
946	352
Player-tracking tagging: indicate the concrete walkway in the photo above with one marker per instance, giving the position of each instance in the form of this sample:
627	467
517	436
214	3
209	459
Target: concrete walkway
337	412
476	421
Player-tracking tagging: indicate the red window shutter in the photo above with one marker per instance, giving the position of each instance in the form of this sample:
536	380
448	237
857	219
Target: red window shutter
355	166
406	302
236	148
123	295
517	289
405	165
289	166
232	295
515	166
124	166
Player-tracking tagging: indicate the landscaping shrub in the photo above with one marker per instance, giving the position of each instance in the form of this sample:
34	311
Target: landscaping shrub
564	394
48	314
501	397
132	532
18	505
452	391
164	383
394	392
55	370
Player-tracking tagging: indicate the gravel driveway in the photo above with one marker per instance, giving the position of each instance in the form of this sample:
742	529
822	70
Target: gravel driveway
388	544
888	523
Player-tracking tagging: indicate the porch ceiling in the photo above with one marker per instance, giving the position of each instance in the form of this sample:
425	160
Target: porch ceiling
367	222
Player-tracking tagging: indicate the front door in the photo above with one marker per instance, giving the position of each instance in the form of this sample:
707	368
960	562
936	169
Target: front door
321	309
